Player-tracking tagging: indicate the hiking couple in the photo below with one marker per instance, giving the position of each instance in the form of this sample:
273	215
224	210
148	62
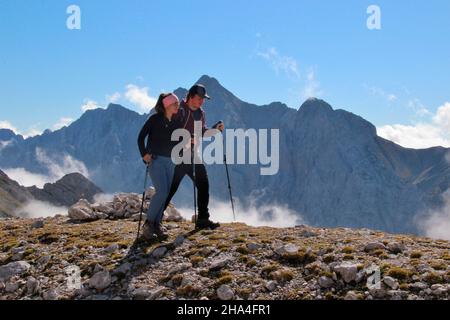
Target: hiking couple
171	114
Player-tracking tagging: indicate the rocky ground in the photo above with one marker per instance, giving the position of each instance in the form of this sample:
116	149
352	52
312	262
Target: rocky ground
57	258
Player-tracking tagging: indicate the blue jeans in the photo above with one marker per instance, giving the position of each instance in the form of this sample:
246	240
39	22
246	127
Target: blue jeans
161	171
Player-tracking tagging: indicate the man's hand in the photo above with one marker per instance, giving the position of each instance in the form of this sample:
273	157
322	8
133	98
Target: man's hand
147	158
221	127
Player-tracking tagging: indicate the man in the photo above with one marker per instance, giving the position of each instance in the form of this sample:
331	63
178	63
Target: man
189	112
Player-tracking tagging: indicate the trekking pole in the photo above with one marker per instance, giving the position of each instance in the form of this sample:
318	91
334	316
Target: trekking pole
228	175
143	200
193	180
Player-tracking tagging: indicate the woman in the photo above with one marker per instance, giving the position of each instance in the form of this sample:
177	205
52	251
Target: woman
157	154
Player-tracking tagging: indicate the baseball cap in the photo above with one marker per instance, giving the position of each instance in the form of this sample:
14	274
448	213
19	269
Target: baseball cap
200	90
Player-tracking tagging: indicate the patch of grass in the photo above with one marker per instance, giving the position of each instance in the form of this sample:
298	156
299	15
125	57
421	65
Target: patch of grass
191	252
244	292
266	270
196	260
328	258
251	262
223	247
348	257
300	257
327	274
433	278
239	240
416	255
223	280
439	265
188	291
404	287
242	250
283	275
348	249
378	252
399	273
177	279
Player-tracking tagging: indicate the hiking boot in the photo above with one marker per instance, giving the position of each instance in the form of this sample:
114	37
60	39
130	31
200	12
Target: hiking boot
149	231
160	232
206	224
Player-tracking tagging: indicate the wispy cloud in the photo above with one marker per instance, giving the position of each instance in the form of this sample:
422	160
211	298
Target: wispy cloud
140	97
280	63
312	86
39	209
436	132
31	132
89	104
436	223
113	98
7	125
4	144
273	215
63	122
57	166
389	97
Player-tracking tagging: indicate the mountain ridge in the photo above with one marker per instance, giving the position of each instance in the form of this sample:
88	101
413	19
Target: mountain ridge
334	168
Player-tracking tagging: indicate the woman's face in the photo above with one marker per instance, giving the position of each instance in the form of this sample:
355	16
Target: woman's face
173	108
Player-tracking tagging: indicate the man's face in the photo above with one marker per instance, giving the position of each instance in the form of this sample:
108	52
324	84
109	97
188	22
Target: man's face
196	101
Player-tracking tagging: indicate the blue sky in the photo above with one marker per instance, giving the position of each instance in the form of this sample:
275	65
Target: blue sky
262	51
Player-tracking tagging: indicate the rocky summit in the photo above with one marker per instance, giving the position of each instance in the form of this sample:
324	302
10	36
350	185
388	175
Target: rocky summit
98	259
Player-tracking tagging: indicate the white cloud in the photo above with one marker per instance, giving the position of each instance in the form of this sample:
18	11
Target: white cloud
286	64
421	135
39	209
436	224
26	178
8	125
60	165
63	122
268	215
90	105
57	167
140	97
4	144
31	132
103	197
312	87
113	98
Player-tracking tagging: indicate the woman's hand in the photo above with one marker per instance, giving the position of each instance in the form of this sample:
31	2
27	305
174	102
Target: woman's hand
147	158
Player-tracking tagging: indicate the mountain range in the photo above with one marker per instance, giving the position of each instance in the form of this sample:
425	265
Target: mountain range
63	193
334	168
